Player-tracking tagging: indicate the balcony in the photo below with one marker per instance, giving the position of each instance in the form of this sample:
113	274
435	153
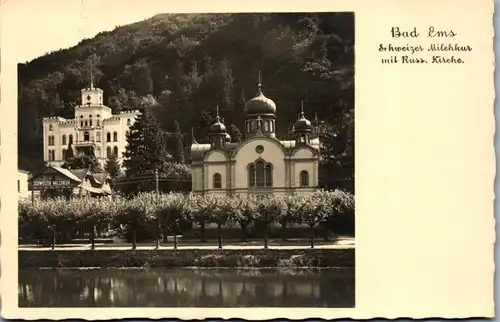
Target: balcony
81	144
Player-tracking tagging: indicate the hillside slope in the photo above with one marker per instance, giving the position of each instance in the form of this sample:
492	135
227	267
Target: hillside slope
184	65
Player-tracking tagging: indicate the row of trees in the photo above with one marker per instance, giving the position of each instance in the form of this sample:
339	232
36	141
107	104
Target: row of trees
169	211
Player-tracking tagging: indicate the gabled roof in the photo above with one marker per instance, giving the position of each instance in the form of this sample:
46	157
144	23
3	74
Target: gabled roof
66	173
100	177
80	173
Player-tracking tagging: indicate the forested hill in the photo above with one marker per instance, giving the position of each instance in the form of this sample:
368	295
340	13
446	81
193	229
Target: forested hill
182	65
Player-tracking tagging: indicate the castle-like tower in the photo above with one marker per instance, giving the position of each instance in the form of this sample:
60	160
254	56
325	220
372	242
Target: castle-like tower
94	129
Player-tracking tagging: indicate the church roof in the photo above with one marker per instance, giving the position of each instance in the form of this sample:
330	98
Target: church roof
199	150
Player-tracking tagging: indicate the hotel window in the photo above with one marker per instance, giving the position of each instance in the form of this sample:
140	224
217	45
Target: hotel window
128	122
51	127
217	181
86	136
81	123
115	137
90	120
304	178
108	137
108	152
70	139
98	123
98	136
64	140
18	186
51	140
86	123
115	151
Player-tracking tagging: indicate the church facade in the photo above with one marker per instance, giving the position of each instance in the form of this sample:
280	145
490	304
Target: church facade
261	163
93	128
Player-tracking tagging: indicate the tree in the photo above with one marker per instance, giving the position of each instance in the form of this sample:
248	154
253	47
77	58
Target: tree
225	210
225	84
247	206
316	208
177	148
146	149
112	167
269	209
204	122
235	133
174	207
86	161
291	208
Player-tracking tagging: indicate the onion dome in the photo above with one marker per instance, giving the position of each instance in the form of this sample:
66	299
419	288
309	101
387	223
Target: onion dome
260	104
302	124
217	127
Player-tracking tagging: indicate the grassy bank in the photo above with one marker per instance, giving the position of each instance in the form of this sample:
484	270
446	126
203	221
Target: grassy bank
188	258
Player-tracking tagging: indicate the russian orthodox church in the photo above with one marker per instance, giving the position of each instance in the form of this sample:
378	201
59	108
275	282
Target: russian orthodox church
261	163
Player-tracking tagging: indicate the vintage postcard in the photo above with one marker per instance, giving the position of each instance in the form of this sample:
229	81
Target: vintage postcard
254	160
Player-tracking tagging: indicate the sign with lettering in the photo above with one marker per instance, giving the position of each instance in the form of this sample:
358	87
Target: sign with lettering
55	183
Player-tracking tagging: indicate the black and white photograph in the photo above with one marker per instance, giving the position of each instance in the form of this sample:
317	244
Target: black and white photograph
190	160
263	160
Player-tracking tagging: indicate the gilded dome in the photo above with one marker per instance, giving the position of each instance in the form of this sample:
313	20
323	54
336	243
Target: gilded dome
260	104
217	127
302	124
228	137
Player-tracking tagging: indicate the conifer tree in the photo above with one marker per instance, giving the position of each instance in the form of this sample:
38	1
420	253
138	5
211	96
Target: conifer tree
147	148
235	133
112	167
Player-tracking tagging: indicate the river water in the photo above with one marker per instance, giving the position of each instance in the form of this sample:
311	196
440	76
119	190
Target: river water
160	287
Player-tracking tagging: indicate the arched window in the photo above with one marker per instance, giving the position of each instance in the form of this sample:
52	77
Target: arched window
51	140
51	127
115	151
98	136
128	122
269	175
115	136
64	139
64	154
81	123
71	138
108	137
304	178
251	175
266	126
90	122
98	123
86	136
260	174
217	181
108	152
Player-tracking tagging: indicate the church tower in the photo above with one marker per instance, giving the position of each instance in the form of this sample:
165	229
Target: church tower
92	96
302	128
217	133
260	113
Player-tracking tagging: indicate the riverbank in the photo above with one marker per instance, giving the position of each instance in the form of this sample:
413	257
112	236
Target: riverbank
66	258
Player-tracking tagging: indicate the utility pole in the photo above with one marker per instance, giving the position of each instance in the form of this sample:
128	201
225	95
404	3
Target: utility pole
157	203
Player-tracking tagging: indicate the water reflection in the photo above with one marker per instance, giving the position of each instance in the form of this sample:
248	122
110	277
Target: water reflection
186	287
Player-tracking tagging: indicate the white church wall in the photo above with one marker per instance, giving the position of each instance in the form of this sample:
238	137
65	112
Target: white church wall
272	153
